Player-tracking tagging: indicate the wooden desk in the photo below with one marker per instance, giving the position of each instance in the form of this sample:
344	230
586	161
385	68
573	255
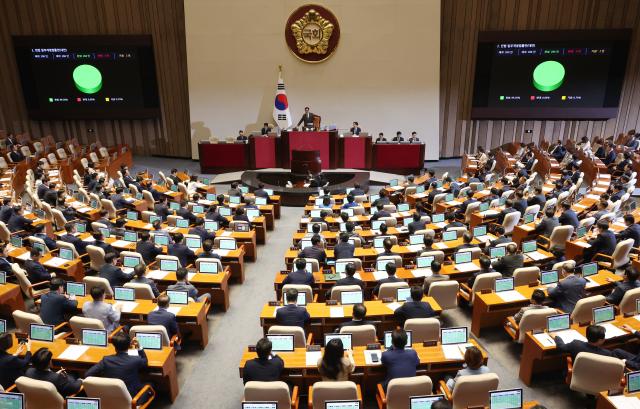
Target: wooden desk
215	284
10	299
603	401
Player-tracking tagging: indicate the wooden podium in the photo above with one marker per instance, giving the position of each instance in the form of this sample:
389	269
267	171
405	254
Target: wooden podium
324	142
305	162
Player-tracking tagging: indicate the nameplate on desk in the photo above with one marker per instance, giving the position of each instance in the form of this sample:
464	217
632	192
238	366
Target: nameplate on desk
273	303
251	348
373	346
332	302
284	272
313	348
387	299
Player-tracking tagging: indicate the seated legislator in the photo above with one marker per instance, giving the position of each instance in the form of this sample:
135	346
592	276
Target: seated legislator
17	221
604	242
398	137
391	278
199	230
70	237
65	383
537	302
180	250
315	251
350	279
380	211
467	238
380	138
414	137
387	244
265	129
139	272
12	366
416	224
344	249
242	137
485	267
299	275
100	310
163	317
38	231
146	248
357	318
334	365
291	314
512	260
436	267
620	288
207	250
547	224
569	290
112	273
474	365
631	232
500	237
414	307
398	361
568	216
267	367
55	304
595	339
182	284
36	272
355	128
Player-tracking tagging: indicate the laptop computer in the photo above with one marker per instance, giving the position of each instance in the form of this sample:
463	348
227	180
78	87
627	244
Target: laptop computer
497	252
281	342
388	343
94	337
351	297
169	265
133	216
130	236
530	249
12	400
78	289
227	244
423	402
603	314
403	207
381	265
416	239
197	209
342	404
41	332
66	253
549	278
558	322
479	231
529	217
208	267
83	403
633	381
424	261
182	223
130	261
449	235
3	277
3	326
149	340
161	239
235	199
344	337
437	218
375	225
403	294
210	225
178	297
124	294
193	243
253	213
505	399
504	284
454	335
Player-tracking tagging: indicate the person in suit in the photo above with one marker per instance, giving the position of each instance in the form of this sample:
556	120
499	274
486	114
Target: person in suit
538	198
185	213
485	267
6	210
242	137
267	367
558	151
291	314
70	237
380	212
357	190
240	216
199	230
300	275
520	204
12	366
350	279
604	242
512	260
55	304
463	207
163	317
51	195
355	128
547	224
5	265
568	216
414	137
610	154
17	221
435	276
391	278
416	224
260	192
398	137
508	208
36	272
107	313
15	155
99	242
316	250
11	140
452	222
265	129
38	231
537	302
65	383
569	290
500	237
414	308
161	209
621	287
351	202
180	250
118	199
174	176
213	214
387	244
183	284
207	250
139	272
344	249
631	232
123	366
112	273
146	248
380	138
357	318
474	365
467	238
398	361
595	340
306	119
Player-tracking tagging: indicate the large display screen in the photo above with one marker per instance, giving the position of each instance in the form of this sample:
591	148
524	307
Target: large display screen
87	77
549	74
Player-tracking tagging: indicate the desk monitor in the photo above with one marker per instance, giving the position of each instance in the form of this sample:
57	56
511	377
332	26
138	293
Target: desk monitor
407	221
182	223
106	233
633	381
373	198
449	235
130	236
281	342
603	314
314	213
259	405
548	277
504	284
454	335
529	217
304	243
351	297
169	265
344	337
378	242
227	244
139	196
210	225
381	265
462	257
152	219
301	301
94	337
253	213
505	399
309	266
209	267
132	215
497	252
310	227
174	188
242	227
235	199
342	404
83	403
558	322
40	246
81	227
420	189
437	217
349	211
502	201
416	239
66	253
342	265
375	225
94	204
244	189
423	402
210	197
449	197
483	207
41	332
197	209
479	231
16	241
387	339
581	232
3	277
150	340
10	400
178	297
589	269
131	261
403	207
193	243
3	326
161	239
78	289
124	294
224	211
269	191
403	294
261	201
529	246
424	261
318	201
174	206
393	182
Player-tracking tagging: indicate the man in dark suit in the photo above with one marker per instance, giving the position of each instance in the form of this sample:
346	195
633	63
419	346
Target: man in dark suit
595	339
300	275
213	214
500	237
146	248
509	262
174	176
180	250
38	232
414	137
604	243
123	366
391	278
547	224
398	137
467	238
161	209
65	383
266	367
55	304
6	210
631	232
414	308
452	222
380	213
387	245
36	271
520	204
69	237
416	224
316	250
398	361
15	154
508	208
17	221
355	128
344	249
99	242
118	199
260	192
621	287
538	198
207	250
568	216
306	119
5	265
113	274
139	272
163	317
242	137
199	230
463	207
357	190
12	366
265	129
185	213
570	290
558	151
350	271
291	314
357	318
610	155
380	138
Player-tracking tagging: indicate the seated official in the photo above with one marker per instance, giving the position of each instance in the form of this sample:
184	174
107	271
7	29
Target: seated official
260	192
350	271
199	230
161	209
70	237
12	366
38	231
307	119
474	365
538	198
414	137
99	242
17	221
118	199
291	314
163	317
595	340
380	212
182	284
452	222
416	224
6	210
547	224
467	238
520	203
380	138
508	208
414	307
65	383
240	215
242	137
5	265
139	272
55	304
569	290
36	272
178	249
436	267
355	128
207	250
629	282
485	267
344	249
398	137
603	243
357	318
391	278
265	129
112	273
100	310
334	365
147	249
537	300
631	232
512	260
351	202
315	251
398	361
299	275
568	216
500	237
124	366
185	213
267	367
387	244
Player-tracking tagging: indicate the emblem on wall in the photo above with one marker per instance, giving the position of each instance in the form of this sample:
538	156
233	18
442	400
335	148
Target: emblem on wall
312	33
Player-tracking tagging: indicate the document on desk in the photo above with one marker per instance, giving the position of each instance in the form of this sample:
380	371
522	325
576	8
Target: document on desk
121	243
582	244
73	352
452	352
441	245
55	262
545	339
489	213
591	283
222	253
393	306
369	353
536	255
226	234
157	274
312	358
127	306
336	312
421	272
84	209
593	197
172	310
379	275
190	276
569	335
24	256
467	267
275	310
440	225
415	247
611	331
624	402
526	227
510	296
89	239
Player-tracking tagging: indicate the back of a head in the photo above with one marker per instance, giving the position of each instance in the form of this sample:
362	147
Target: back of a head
344	237
177	238
436	266
473	357
316	227
181	273
387	244
416	293
485	262
350	269
538	296
550	212
41	359
629	219
603	225
359	311
109	257
263	348
512	248
291	295
207	245
391	269
316	239
595	333
399	338
97	293
6	341
55	284
631	273
441	404
163	301
467	237
121	342
301	264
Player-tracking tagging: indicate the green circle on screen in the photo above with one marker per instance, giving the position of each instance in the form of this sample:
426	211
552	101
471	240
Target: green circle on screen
87	78
548	76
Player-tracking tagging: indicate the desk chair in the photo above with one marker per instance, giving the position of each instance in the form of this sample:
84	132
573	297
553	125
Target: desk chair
78	323
302	288
358	211
484	281
424	329
216	241
587	222
583	311
426	232
96	226
388	290
277	391
531	320
31	290
132	254
146	215
401	389
361	198
52	159
437	199
93	281
299	339
33	239
108	205
397	259
526	275
339	289
46	208
610	217
438	255
389	221
476	252
471	208
445	293
410	190
323	391
471	390
535	209
172	220
234	223
510	221
143	291
361	334
58	219
148	199
619	258
628	303
391	208
548	204
315	265
113	393
558	239
62	155
460	231
166	342
580	375
5	233
39	394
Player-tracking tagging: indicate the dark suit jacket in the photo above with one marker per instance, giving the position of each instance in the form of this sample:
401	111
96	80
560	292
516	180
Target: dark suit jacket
415	226
161	210
357	192
631	232
350	281
546	226
118	201
568	292
264	131
537	200
499	240
400	363
148	251
163	317
184	253
18	222
5	266
186	214
115	276
412	309
381	213
314	252
604	243
508	263
299	277
122	366
343	250
261	193
292	315
391	279
48	241
520	205
619	290
200	231
81	246
5	213
355	130
307	119
54	306
263	370
12	367
576	346
108	248
16	156
217	217
569	217
66	385
36	272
